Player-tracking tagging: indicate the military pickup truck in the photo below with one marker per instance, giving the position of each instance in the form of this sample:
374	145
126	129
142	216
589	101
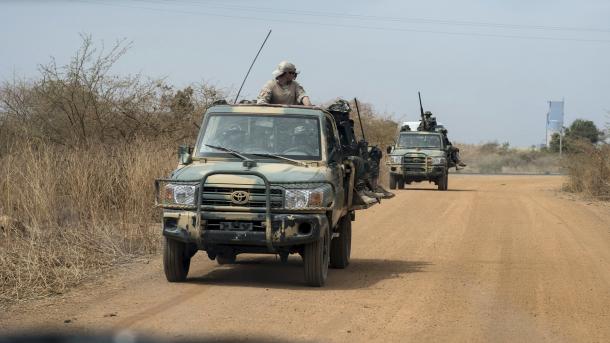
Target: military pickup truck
418	156
268	179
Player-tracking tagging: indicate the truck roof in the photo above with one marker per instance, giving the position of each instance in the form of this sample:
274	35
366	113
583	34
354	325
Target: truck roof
267	109
420	132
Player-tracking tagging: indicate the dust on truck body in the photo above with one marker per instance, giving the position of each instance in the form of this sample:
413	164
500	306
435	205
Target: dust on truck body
418	156
265	179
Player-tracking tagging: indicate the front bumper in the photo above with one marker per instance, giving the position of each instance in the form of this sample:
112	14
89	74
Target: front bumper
211	225
241	228
417	171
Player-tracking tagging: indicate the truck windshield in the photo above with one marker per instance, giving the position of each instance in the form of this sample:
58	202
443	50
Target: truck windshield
419	141
295	137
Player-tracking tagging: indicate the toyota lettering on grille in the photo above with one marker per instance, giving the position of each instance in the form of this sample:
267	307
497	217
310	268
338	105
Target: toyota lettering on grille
240	197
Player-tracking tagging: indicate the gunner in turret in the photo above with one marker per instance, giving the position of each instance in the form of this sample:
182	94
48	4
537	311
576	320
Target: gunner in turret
283	89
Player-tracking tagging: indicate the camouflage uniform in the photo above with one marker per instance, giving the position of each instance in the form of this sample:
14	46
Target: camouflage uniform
454	152
274	93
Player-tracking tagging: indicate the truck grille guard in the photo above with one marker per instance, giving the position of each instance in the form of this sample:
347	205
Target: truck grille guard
412	159
200	183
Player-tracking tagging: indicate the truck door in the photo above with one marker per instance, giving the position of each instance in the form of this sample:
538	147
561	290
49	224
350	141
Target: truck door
335	155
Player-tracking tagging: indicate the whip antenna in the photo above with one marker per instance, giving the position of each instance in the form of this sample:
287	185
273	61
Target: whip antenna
251	65
359	119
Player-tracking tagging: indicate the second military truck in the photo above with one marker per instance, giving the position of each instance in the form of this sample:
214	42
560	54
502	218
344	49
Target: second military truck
418	156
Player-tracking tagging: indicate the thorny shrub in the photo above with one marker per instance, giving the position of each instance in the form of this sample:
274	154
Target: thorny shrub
588	168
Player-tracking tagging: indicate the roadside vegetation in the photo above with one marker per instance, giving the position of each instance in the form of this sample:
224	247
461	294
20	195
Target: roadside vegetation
586	160
496	158
80	148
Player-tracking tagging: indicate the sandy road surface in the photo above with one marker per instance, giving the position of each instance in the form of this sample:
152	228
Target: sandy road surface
493	259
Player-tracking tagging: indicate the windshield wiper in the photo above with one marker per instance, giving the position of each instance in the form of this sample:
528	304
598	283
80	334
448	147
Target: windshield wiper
301	163
231	151
249	163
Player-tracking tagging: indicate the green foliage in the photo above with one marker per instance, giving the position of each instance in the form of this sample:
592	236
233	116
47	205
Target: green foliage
580	130
554	143
583	129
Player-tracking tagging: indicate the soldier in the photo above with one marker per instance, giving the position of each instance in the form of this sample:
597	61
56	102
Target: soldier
233	137
454	152
283	89
304	142
428	123
366	165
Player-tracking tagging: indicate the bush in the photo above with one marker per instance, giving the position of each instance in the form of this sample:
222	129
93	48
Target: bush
495	158
79	151
588	168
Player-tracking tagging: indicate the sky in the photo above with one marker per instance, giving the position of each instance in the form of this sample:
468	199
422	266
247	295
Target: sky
485	68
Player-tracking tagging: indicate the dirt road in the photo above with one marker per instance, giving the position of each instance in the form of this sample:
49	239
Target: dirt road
496	258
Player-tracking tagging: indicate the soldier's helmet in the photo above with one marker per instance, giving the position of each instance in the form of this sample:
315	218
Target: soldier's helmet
284	67
428	114
340	106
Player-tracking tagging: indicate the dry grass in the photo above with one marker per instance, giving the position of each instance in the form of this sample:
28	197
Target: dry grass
589	170
493	158
68	213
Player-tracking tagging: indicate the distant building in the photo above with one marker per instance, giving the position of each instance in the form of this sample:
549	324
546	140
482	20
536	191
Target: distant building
554	119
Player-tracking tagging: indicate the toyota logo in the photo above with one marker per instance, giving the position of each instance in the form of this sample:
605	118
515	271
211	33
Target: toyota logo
240	197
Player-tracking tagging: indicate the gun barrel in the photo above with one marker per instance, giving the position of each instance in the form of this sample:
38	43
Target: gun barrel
421	107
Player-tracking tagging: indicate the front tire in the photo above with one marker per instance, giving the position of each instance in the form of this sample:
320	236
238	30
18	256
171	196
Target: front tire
315	260
341	247
392	181
443	182
401	182
222	259
176	260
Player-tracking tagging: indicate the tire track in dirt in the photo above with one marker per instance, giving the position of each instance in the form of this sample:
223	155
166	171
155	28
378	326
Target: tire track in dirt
501	260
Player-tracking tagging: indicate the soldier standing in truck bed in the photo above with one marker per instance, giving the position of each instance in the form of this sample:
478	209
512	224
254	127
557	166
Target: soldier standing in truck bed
283	89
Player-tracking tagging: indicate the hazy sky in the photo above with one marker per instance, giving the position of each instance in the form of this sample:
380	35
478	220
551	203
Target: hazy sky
485	68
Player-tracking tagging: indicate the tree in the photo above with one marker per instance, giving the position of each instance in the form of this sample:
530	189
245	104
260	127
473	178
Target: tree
82	104
554	144
584	130
579	131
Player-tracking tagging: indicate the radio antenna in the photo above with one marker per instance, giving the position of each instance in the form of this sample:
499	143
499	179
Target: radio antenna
251	65
359	119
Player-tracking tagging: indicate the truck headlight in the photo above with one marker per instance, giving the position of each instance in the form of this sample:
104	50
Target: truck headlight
178	194
308	198
396	159
438	160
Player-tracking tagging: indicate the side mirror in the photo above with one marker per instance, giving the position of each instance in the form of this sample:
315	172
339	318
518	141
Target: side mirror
184	154
388	149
